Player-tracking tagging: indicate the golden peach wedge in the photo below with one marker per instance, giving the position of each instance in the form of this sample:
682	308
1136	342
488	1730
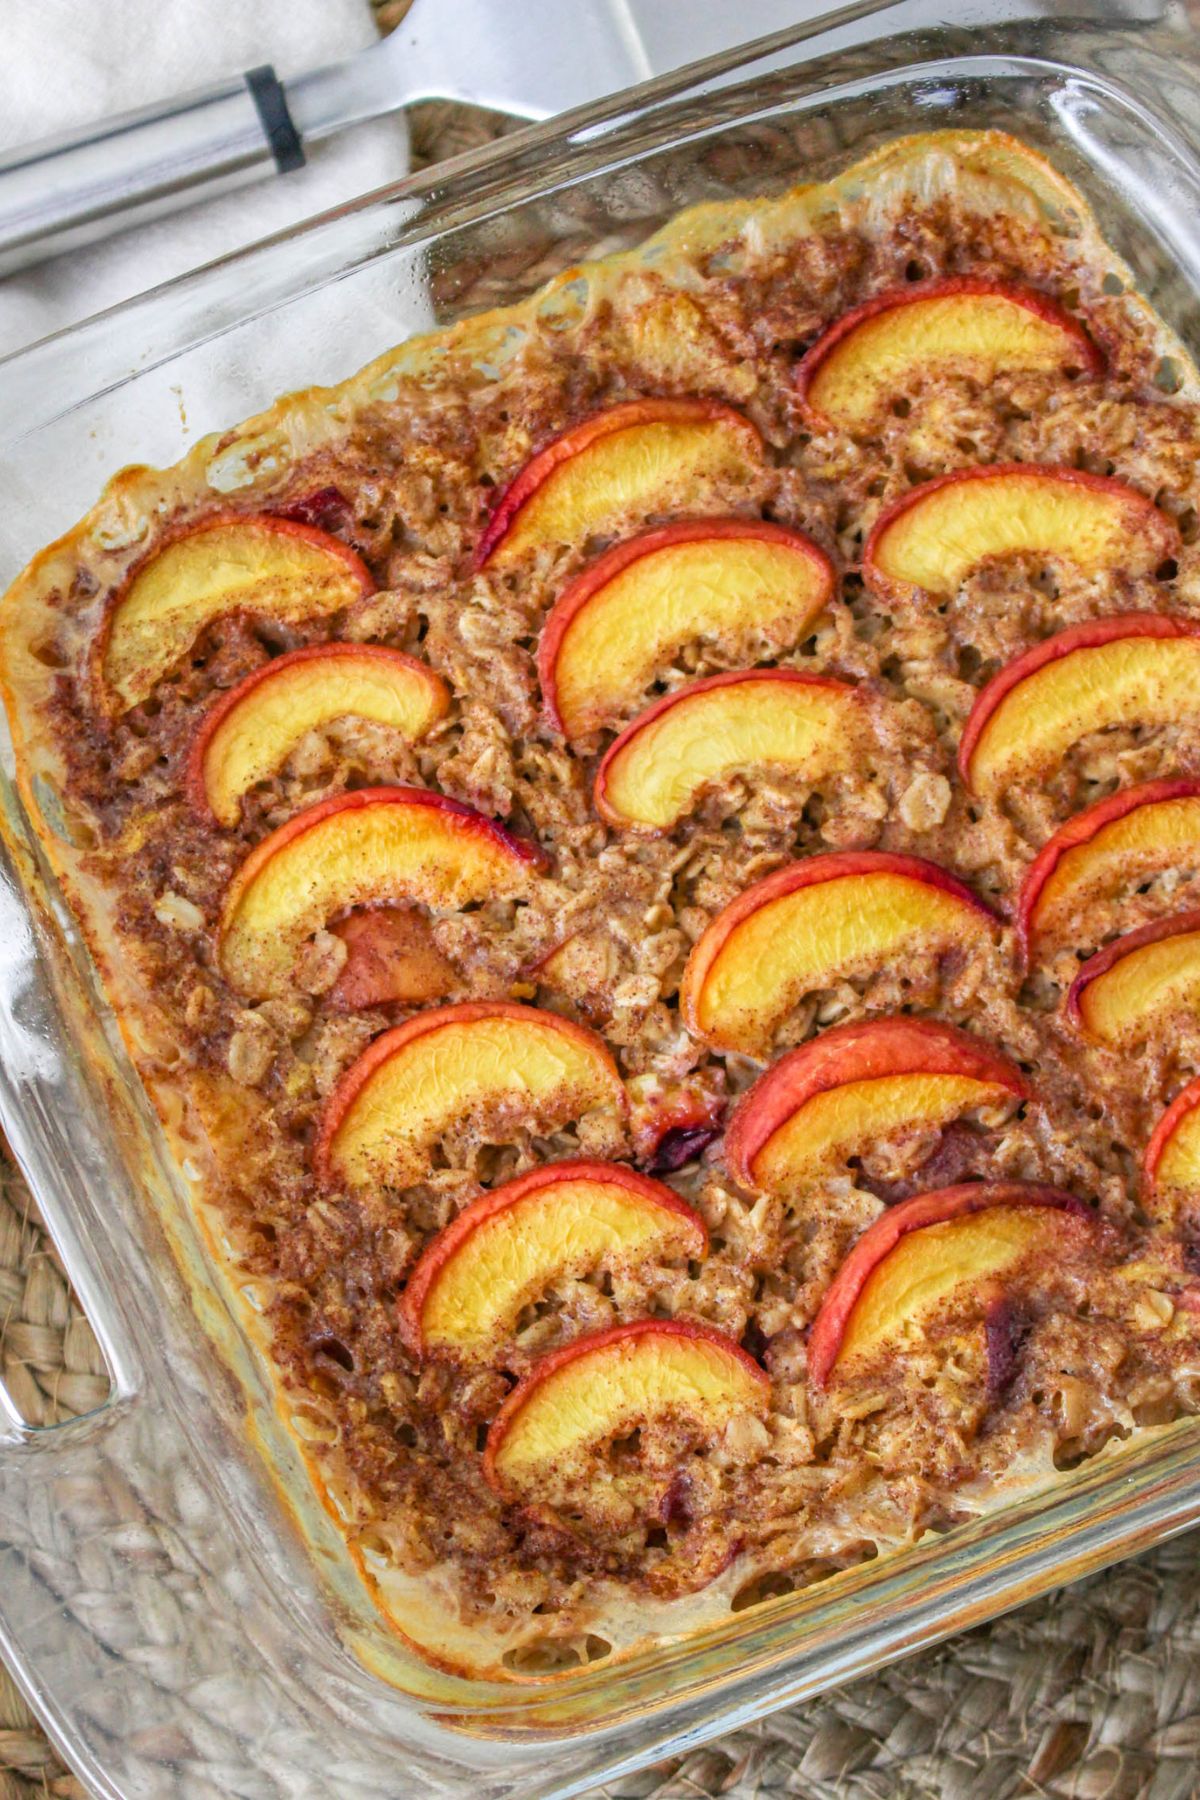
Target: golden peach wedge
1133	987
253	563
1172	1158
1134	669
918	1254
577	1399
507	1247
1116	843
364	848
253	729
620	623
643	456
812	923
510	1067
752	720
932	538
852	1086
965	325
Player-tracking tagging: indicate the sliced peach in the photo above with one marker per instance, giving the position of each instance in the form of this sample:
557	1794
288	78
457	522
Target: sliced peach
1172	1158
965	325
392	959
249	734
1135	984
642	457
610	1384
1131	669
915	1255
752	719
846	1089
255	563
615	628
1119	841
362	848
508	1246
932	538
812	923
509	1067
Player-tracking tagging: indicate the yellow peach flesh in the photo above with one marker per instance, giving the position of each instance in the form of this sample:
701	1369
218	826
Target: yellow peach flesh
194	580
256	738
726	590
1137	679
709	736
640	469
936	543
805	940
1179	1164
357	857
512	1257
1124	1003
1163	835
842	1120
926	1267
617	1388
980	335
531	1071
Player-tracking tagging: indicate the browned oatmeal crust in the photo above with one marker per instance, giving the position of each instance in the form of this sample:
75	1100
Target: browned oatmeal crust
402	463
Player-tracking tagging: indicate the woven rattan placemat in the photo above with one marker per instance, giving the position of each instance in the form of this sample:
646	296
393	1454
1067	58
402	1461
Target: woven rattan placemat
1090	1694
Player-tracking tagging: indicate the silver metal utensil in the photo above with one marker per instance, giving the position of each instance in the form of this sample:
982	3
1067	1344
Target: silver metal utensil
531	58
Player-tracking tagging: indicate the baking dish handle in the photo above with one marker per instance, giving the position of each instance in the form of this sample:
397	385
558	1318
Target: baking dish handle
54	1132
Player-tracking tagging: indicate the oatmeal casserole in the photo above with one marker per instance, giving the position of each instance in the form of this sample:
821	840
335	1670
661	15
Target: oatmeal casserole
646	850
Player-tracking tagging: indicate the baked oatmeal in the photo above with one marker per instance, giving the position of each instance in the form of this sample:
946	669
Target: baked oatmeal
647	847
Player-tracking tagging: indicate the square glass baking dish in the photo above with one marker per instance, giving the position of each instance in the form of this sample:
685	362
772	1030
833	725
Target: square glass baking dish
173	1600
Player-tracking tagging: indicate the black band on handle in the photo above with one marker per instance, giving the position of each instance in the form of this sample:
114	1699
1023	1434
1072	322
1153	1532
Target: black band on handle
267	92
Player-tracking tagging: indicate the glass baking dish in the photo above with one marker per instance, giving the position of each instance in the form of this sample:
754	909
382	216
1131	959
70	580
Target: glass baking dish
172	1598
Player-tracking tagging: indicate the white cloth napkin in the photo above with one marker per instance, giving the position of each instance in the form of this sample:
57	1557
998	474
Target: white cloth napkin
66	62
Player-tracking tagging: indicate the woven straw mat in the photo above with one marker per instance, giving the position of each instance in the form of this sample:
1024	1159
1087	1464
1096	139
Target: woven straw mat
1091	1694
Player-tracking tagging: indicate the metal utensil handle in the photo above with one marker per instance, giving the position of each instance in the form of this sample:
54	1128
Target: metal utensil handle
64	192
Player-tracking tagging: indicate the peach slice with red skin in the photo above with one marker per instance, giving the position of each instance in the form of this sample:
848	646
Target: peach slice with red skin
933	537
254	563
1172	1157
1120	840
252	730
391	960
627	616
918	1253
363	848
1130	669
503	1250
504	1064
1124	992
965	325
814	922
641	456
856	1084
610	1384
656	771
